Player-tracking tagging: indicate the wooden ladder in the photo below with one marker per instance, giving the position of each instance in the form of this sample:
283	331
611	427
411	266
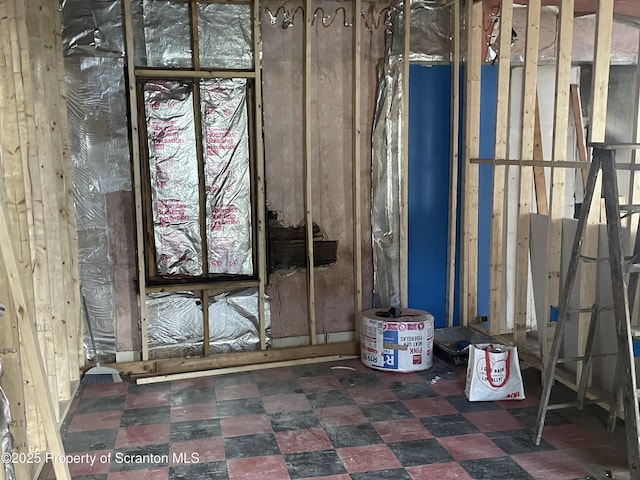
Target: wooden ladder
623	297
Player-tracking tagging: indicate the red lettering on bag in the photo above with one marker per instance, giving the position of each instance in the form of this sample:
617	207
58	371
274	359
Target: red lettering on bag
513	395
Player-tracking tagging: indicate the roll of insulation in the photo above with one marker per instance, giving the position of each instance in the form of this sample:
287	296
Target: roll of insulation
396	340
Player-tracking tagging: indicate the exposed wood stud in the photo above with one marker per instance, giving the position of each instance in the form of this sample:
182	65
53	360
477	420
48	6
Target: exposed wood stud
559	152
469	194
357	193
453	169
524	203
404	159
308	174
497	318
137	184
539	179
260	179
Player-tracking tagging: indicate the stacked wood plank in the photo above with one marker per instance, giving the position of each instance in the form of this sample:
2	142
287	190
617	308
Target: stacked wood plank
38	201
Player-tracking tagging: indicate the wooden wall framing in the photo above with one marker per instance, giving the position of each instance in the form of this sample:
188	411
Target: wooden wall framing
556	168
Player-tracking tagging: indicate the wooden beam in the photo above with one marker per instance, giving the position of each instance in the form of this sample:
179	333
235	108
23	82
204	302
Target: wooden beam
529	95
356	164
30	163
181	365
404	159
260	176
66	202
452	234
19	196
559	152
137	184
155	73
29	344
497	307
42	90
245	368
308	174
469	195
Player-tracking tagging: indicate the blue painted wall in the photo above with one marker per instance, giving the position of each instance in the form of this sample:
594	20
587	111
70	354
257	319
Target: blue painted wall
429	175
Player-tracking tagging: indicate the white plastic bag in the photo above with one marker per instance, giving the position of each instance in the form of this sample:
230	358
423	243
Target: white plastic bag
504	382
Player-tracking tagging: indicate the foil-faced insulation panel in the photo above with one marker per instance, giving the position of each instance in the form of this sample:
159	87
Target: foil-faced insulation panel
175	323
431	29
92	27
173	171
99	147
167	34
227	177
225	36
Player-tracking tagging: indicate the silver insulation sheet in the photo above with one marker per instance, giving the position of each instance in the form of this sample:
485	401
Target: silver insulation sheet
431	27
173	169
228	188
225	36
99	147
91	27
6	439
386	174
167	34
175	323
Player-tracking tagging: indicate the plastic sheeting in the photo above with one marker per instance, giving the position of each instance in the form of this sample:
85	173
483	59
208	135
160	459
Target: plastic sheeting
6	440
228	192
431	27
173	169
225	34
175	323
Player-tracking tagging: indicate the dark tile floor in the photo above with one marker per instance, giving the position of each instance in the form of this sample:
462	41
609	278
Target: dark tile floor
336	421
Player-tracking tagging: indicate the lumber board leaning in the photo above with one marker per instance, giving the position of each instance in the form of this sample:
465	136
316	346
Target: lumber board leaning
28	339
36	261
260	178
470	173
13	381
497	307
356	163
137	183
452	233
17	200
64	178
539	180
308	174
530	83
559	151
30	16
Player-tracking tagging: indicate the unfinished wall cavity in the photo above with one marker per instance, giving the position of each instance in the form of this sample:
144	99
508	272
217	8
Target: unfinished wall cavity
96	101
332	158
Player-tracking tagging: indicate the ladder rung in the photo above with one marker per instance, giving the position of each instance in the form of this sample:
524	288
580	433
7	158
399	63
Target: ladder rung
632	268
587	259
584	357
630	208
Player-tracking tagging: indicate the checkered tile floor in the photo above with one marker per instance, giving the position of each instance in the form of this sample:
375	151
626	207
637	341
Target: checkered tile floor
335	421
